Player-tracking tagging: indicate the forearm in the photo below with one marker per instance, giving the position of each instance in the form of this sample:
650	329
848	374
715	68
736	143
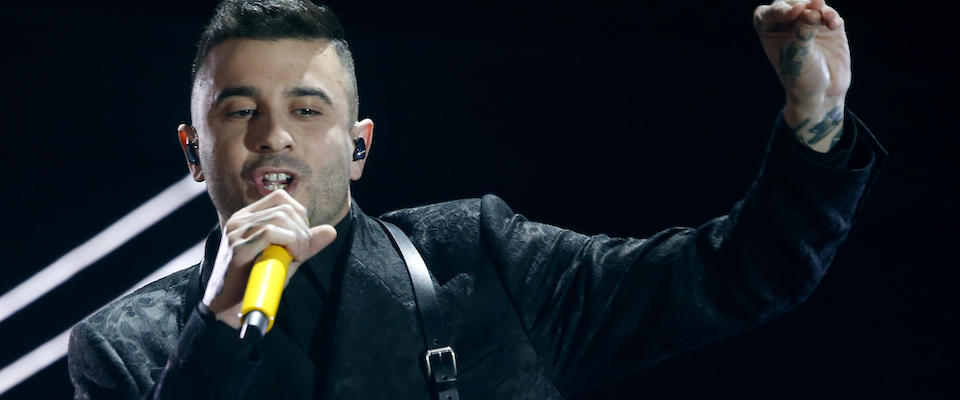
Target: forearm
817	124
208	356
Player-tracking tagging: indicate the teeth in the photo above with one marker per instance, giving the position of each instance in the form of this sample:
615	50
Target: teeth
275	180
276	176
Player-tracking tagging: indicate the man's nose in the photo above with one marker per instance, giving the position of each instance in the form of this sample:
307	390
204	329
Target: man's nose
271	136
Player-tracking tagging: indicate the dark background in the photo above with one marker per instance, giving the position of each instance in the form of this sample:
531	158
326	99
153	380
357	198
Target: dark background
617	118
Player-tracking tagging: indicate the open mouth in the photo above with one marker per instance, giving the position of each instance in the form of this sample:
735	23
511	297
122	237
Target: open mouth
276	180
270	179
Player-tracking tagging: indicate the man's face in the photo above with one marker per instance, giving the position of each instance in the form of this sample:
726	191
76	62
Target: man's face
271	114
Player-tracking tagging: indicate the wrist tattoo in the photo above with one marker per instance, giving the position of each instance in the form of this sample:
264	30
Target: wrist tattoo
833	118
831	122
796	130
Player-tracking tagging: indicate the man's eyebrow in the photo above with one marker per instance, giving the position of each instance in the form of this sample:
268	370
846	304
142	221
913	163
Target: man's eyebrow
235	91
310	91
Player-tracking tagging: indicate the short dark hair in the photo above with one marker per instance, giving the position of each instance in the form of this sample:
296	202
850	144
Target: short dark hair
278	19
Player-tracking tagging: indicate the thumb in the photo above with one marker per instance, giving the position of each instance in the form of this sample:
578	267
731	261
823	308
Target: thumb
808	24
321	236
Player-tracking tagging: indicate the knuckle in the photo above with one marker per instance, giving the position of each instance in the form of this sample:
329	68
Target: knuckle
270	219
239	233
270	231
251	238
289	209
241	244
278	235
233	223
284	219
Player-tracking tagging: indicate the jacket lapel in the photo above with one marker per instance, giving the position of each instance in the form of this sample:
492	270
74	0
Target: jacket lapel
377	336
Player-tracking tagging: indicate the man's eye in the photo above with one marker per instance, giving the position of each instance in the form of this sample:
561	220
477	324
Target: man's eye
307	112
246	112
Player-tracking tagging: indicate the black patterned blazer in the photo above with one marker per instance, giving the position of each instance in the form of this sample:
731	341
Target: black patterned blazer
533	311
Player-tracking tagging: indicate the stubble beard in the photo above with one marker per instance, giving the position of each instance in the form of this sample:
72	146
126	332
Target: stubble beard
329	195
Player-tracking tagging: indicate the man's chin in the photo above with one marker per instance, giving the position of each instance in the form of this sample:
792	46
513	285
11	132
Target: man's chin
330	216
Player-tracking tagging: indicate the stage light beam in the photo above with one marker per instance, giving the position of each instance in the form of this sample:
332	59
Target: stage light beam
97	247
54	349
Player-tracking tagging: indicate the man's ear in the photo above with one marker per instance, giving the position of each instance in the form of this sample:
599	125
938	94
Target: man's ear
190	145
361	130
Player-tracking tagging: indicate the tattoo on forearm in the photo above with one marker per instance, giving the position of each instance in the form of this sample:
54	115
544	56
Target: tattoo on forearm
833	118
822	129
791	60
796	131
804	34
793	54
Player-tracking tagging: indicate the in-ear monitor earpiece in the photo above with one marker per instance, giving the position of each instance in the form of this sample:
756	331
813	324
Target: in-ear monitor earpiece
192	156
359	149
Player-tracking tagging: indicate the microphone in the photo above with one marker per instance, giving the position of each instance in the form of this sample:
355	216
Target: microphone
262	296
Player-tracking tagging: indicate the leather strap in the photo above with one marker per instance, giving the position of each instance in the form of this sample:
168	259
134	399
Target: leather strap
440	358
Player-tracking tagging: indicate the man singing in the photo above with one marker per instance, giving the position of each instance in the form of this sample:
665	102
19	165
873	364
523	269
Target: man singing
520	310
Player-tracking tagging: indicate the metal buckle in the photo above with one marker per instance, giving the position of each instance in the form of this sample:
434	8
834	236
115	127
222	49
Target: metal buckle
439	352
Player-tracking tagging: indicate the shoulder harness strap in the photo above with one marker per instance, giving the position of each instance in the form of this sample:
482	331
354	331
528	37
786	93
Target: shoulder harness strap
440	359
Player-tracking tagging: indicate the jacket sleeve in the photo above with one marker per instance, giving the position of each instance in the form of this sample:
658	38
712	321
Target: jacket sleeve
208	362
597	307
96	369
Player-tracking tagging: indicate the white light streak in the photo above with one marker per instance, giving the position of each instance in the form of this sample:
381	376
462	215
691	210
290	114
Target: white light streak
51	351
103	243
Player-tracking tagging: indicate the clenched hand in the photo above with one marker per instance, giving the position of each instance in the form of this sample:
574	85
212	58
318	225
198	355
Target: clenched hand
275	219
807	45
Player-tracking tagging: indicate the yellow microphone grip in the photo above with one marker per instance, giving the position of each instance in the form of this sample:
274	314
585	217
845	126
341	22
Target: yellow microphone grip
266	283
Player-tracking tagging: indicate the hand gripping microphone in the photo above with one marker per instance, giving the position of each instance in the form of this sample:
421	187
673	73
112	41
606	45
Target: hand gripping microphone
262	297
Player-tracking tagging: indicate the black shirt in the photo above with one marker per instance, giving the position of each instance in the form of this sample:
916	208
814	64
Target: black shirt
305	299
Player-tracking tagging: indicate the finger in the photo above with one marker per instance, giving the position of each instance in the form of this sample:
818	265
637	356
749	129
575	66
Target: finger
275	198
816	5
776	11
831	19
283	197
801	4
808	25
250	231
811	17
828	14
320	237
283	214
247	249
301	249
837	23
776	17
